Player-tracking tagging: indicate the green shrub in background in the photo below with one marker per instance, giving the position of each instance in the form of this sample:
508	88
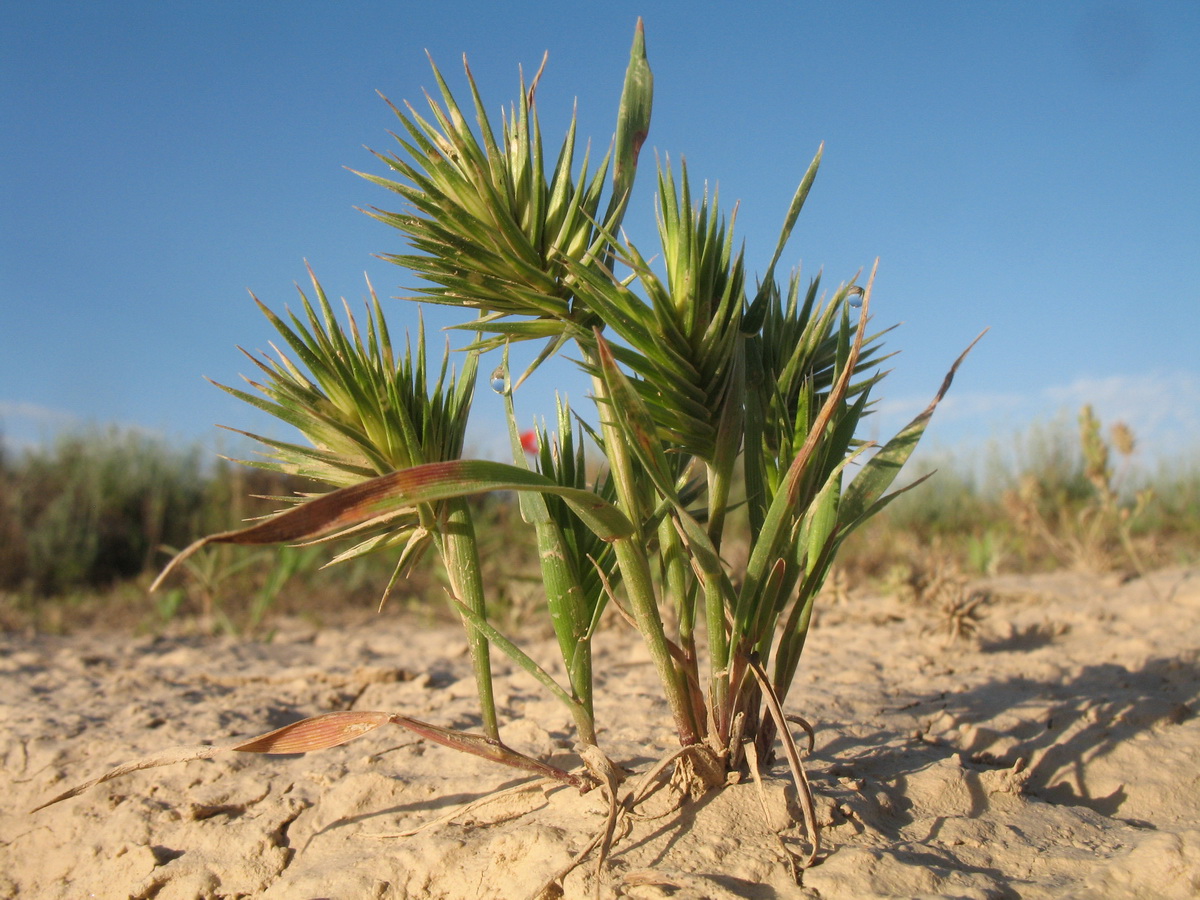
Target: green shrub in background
959	513
94	508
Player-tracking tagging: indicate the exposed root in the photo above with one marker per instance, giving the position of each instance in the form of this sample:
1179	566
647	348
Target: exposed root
697	769
701	773
610	778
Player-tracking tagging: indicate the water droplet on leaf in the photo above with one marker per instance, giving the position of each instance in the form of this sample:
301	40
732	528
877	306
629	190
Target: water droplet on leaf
499	381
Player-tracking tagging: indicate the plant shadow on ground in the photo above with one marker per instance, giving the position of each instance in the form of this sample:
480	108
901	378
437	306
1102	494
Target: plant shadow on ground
1071	725
1023	640
1102	707
434	806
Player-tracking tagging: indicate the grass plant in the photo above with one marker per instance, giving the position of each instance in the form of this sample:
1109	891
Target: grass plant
701	381
92	508
1084	519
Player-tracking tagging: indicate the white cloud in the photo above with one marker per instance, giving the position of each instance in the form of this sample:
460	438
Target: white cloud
1162	409
954	406
33	412
1157	406
25	425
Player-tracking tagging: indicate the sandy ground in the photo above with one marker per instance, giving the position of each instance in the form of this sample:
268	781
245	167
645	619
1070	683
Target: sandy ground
1057	755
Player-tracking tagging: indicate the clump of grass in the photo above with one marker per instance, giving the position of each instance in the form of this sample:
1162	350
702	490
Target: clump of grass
1084	521
970	516
961	615
92	509
141	495
934	581
1173	519
699	380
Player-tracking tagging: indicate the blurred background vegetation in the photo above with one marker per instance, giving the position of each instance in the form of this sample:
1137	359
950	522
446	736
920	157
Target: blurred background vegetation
85	523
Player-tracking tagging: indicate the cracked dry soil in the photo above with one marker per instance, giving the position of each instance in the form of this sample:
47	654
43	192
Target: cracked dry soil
1057	756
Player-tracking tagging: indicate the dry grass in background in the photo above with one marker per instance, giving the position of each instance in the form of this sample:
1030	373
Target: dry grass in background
82	521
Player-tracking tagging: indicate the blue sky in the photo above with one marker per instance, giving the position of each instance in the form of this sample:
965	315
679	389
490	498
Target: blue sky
1028	167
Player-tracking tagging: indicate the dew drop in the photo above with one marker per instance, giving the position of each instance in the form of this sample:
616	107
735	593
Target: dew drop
499	382
856	301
